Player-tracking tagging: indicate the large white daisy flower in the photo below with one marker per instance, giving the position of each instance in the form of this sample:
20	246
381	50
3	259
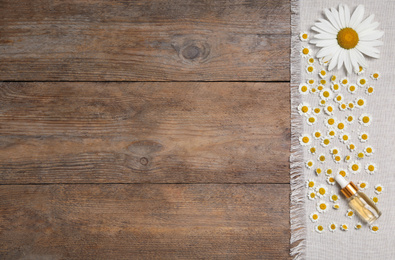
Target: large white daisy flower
345	39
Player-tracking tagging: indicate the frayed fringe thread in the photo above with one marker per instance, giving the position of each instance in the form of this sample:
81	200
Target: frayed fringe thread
298	190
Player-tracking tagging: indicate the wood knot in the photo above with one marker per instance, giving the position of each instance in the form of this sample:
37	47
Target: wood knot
143	161
192	50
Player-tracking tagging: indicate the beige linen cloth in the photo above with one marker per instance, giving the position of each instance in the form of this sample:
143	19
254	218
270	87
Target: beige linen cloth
306	243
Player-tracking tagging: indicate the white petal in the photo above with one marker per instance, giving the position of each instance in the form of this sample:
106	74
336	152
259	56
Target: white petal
347	62
364	24
374	35
324	43
347	15
360	58
334	60
367	51
317	30
325	36
369	27
328	51
336	16
357	16
326	26
341	16
331	18
341	58
374	43
354	60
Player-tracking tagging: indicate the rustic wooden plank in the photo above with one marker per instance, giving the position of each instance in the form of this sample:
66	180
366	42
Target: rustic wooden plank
144	132
144	221
157	40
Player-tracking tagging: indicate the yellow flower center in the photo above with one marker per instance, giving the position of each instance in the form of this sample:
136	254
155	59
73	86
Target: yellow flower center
375	199
361	155
360	102
322	192
311	81
311	60
342	173
336	87
363	185
326	94
320	88
379	189
305	51
323	206
359	226
305	139
317	134
305	109
360	68
333	226
364	136
326	141
322	158
344	227
330	109
335	151
331	179
311	184
336	206
362	81
310	69
329	171
315	216
311	119
371	168
355	167
350	118
344	106
320	228
350	213
318	170
366	119
310	164
333	78
317	110
313	90
369	150
340	126
345	137
375	228
345	81
304	36
347	38
375	75
323	72
334	197
304	88
331	121
323	81
337	158
312	149
350	105
352	88
370	90
332	133
323	102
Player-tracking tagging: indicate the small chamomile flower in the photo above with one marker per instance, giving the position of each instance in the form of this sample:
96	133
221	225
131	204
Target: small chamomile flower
360	155
352	88
351	147
310	82
311	60
335	150
334	197
311	120
333	78
331	133
336	206
375	75
341	126
368	150
344	137
347	158
305	139
322	207
358	226
322	103
332	227
310	69
365	119
318	171
325	141
330	121
362	82
350	213
304	36
326	93
309	164
321	191
371	168
369	90
350	105
337	158
344	227
350	119
316	111
361	70
304	89
305	52
329	110
363	185
317	134
363	137
360	102
314	217
313	150
311	195
322	158
319	229
344	82
328	172
342	172
323	73
320	88
374	228
323	62
313	90
375	199
304	109
342	106
335	87
310	183
323	82
378	189
330	180
338	98
354	167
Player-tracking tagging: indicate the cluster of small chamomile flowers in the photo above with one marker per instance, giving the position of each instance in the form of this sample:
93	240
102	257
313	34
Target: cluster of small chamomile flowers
337	136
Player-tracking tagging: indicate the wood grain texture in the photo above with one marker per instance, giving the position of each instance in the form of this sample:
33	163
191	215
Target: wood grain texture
144	132
144	221
157	40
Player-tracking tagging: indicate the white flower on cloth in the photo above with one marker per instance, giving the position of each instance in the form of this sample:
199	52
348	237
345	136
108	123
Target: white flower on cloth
345	39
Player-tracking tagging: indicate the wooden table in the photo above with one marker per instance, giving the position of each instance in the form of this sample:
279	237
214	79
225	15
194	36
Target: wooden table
144	129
